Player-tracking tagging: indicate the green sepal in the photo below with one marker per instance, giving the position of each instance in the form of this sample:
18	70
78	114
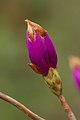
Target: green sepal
53	81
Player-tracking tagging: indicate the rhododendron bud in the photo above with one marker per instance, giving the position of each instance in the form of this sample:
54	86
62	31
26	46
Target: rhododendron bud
43	56
41	50
75	69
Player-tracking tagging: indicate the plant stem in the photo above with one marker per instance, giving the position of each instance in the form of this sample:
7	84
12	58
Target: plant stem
67	108
20	106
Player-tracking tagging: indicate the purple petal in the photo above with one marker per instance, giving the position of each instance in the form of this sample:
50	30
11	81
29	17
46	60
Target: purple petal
76	76
51	51
38	53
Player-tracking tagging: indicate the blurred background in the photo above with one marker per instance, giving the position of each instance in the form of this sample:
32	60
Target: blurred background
61	18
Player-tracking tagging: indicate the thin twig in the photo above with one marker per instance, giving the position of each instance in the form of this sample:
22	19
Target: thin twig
67	108
20	106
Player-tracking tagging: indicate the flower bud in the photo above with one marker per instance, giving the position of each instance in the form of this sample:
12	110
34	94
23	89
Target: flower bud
41	50
75	69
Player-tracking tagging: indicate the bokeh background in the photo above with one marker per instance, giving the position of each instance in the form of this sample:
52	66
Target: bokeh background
61	18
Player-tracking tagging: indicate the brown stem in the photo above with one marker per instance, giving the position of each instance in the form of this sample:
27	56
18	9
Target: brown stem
20	106
67	108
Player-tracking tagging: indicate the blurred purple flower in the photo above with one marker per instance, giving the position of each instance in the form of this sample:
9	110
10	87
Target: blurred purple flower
76	76
41	50
75	68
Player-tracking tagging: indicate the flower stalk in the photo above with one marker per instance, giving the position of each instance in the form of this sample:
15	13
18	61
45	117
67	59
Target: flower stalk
67	108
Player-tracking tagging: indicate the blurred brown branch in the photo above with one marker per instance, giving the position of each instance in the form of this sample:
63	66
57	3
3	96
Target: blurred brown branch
20	106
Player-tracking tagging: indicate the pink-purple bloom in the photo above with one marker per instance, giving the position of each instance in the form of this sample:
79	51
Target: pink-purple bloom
76	76
75	69
41	50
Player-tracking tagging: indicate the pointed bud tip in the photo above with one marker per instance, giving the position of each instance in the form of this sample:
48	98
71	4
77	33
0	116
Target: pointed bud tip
27	21
35	28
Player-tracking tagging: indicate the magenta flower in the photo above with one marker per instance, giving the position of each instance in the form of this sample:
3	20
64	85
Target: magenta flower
75	68
76	76
40	49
